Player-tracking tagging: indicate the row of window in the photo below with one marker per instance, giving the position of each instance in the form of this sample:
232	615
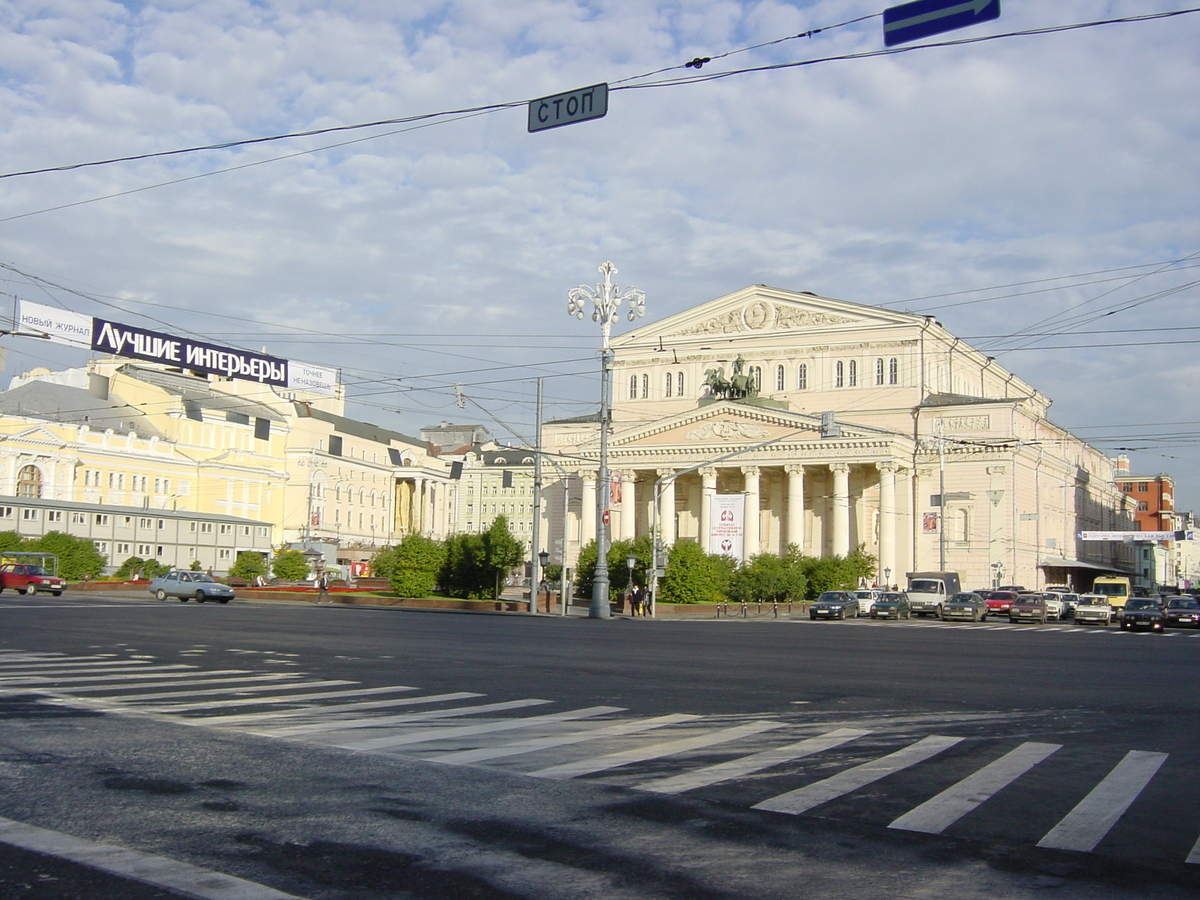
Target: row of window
116	482
845	375
147	551
53	516
1142	486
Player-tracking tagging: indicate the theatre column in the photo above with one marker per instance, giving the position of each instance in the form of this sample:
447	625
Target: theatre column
887	519
841	508
708	490
628	512
750	475
666	507
587	509
795	506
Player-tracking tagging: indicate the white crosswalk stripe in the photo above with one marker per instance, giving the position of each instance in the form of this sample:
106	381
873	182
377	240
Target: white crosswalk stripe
248	718
411	718
459	731
805	798
560	740
655	751
747	765
935	815
259	701
1087	824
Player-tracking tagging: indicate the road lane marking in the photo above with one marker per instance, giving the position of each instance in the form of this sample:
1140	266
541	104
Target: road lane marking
461	757
805	798
244	718
260	701
937	814
158	673
747	765
1087	824
203	884
234	684
654	751
455	731
1194	856
380	721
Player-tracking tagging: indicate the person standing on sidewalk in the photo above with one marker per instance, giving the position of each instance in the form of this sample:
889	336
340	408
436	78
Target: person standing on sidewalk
323	587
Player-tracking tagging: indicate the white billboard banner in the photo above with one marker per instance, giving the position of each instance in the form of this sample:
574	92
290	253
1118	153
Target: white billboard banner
1126	535
728	527
58	325
315	379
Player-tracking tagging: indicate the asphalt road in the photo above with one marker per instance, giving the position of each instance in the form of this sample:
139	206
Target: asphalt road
334	752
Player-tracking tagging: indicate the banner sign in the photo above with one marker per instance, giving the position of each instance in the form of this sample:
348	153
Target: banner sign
60	326
1127	536
728	527
139	343
57	325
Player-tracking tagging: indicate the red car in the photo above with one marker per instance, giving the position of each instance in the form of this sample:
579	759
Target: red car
29	579
999	601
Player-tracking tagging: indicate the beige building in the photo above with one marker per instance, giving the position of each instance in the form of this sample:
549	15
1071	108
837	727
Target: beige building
863	427
142	435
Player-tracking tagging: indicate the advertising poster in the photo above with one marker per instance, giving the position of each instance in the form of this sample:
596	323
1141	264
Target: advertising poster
727	532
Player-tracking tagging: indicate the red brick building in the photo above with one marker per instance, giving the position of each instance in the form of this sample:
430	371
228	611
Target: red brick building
1155	497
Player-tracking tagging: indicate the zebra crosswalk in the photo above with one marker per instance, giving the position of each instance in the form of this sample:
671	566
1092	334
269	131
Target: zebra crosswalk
769	761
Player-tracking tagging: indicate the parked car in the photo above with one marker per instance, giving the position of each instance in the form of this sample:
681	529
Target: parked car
965	605
1028	608
1070	600
866	599
1142	612
1182	610
190	586
999	601
891	605
29	579
834	605
1055	607
1093	609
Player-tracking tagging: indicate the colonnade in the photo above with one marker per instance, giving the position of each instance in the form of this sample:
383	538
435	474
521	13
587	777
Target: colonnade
826	508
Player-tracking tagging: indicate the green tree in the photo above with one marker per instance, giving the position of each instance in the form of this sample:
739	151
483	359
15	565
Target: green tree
693	576
131	566
10	540
838	573
77	557
412	566
248	566
618	566
196	567
463	572
290	565
501	552
153	568
768	577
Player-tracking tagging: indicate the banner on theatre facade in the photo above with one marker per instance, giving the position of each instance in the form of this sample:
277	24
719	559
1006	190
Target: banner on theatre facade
727	528
58	325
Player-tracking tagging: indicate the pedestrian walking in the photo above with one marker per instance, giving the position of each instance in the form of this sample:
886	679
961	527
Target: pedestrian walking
638	600
323	588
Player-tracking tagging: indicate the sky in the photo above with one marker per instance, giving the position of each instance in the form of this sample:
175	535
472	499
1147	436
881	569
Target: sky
1038	193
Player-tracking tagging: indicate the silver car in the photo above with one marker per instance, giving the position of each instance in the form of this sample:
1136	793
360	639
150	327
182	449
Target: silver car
190	586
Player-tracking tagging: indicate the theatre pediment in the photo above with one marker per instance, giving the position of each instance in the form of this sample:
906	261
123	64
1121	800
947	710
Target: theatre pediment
762	311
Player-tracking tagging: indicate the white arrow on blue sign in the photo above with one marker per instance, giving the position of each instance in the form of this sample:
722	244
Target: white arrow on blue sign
923	18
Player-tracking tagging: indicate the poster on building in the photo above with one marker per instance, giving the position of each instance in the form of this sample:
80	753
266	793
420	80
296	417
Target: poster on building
929	523
614	491
57	325
727	530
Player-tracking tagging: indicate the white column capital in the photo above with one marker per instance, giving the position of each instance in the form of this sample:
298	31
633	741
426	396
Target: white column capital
839	468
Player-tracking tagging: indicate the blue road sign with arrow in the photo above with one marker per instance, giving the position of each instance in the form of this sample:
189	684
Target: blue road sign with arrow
922	18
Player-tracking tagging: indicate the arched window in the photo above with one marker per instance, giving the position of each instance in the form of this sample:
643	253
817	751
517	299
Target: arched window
756	377
893	371
29	482
839	374
802	377
645	386
669	384
632	387
779	375
852	374
679	384
879	371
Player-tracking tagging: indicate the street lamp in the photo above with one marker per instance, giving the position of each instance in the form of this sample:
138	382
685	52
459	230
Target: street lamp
887	578
543	558
631	561
606	300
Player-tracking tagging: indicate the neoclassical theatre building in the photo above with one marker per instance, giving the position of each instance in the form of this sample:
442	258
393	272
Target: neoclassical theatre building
831	425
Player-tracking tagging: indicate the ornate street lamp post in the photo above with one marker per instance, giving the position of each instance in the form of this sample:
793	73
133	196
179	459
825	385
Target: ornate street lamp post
606	298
